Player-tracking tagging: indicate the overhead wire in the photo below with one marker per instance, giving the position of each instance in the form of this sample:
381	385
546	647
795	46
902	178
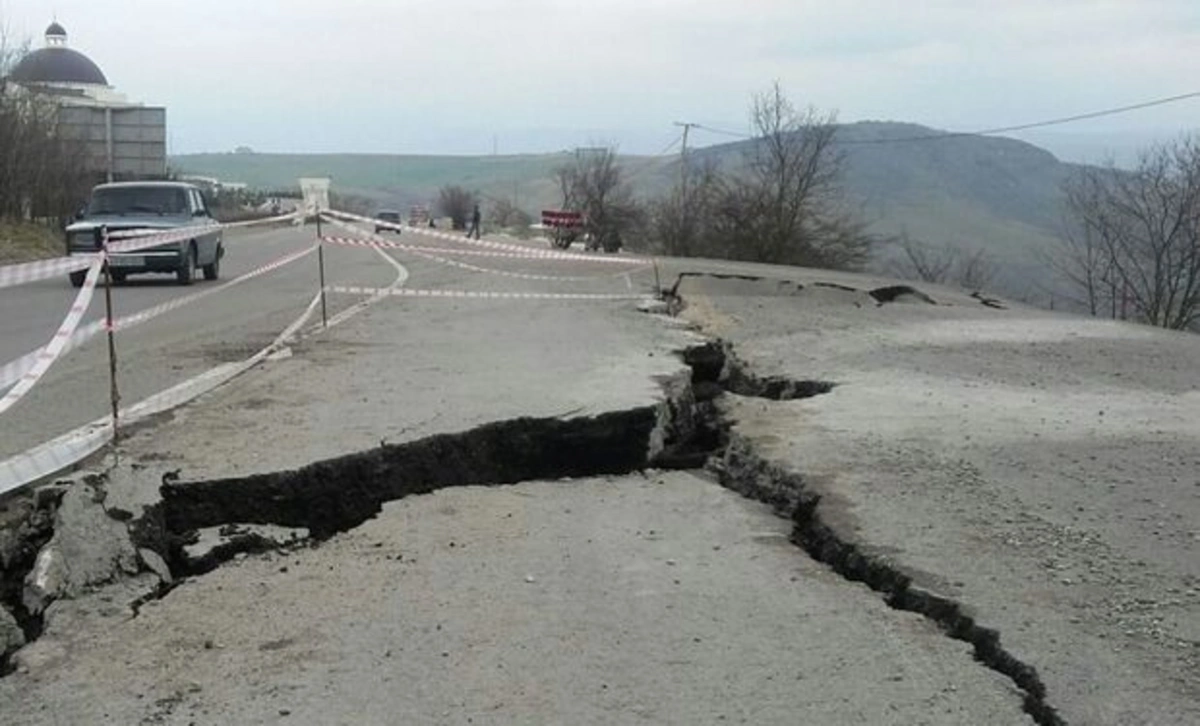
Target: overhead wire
723	132
995	130
650	162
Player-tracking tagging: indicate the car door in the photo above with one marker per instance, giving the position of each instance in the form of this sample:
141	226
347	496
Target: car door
206	243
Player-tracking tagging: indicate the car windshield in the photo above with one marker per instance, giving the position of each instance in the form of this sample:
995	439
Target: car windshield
139	200
389	216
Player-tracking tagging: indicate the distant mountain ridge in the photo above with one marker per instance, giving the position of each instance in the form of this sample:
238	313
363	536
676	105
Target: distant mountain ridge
995	193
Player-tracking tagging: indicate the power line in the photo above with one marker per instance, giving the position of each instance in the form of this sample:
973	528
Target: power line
999	129
670	146
1036	124
723	132
650	162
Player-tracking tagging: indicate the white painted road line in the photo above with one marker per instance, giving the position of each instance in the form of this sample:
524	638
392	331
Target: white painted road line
426	252
69	449
12	371
521	249
479	294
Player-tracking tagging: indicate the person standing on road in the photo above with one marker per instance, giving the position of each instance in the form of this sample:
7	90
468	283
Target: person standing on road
475	219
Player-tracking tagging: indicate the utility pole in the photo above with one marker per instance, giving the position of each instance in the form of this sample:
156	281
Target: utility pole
687	127
683	186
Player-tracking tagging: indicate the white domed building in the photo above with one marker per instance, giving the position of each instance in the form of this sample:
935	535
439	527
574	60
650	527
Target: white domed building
57	68
125	140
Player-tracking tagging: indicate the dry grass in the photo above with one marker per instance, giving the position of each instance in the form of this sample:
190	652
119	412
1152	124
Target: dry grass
25	241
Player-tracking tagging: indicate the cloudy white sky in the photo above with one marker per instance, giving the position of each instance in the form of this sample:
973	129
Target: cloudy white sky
449	76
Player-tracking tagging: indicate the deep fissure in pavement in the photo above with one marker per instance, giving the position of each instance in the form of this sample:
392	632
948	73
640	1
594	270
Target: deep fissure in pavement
686	431
741	469
895	293
716	364
29	525
335	495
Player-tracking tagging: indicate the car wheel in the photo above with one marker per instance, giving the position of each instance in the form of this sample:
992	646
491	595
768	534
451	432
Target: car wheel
213	271
77	278
186	271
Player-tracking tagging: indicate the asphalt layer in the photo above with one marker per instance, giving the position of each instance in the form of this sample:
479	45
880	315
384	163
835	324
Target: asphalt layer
1038	469
1035	470
656	599
160	353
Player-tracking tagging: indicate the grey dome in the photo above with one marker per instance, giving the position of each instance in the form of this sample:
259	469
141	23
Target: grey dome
56	30
58	65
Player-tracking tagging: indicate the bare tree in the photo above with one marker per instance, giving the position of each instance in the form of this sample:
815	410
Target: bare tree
944	264
457	204
1134	243
924	262
786	205
565	178
594	184
975	270
505	214
1080	259
43	172
682	222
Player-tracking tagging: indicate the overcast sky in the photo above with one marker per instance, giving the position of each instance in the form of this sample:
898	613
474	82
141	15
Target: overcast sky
448	76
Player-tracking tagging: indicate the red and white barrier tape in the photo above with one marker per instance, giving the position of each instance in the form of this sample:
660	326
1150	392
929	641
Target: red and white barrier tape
21	274
479	294
379	241
56	455
520	249
520	275
26	272
156	232
15	369
58	343
290	216
428	253
120	241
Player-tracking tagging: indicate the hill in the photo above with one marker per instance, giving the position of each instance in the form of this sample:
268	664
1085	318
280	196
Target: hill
973	192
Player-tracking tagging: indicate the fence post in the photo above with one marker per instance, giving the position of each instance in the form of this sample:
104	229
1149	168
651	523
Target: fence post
114	395
657	283
321	269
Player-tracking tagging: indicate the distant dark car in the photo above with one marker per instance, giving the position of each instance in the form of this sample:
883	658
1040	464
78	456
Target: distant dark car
150	206
392	218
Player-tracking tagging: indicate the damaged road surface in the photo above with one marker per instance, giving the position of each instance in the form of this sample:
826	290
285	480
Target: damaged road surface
1029	480
661	598
850	503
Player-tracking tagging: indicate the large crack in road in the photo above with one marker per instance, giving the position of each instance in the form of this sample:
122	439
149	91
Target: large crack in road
686	431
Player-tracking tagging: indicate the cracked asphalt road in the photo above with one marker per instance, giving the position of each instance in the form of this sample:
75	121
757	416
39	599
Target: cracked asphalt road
563	615
1039	468
658	599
